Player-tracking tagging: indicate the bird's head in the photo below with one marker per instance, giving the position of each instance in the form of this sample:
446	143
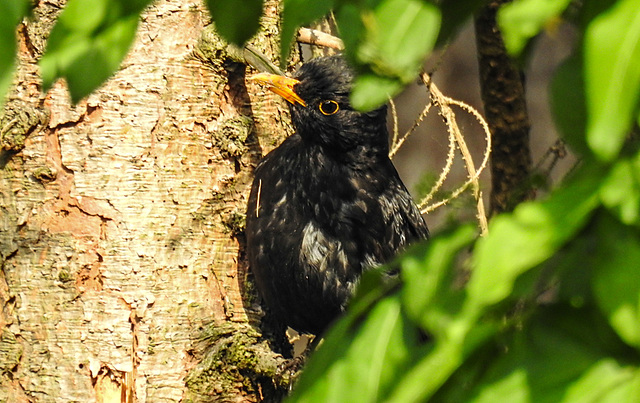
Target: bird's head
318	97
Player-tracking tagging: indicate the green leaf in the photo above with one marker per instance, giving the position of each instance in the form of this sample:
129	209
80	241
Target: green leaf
351	28
454	14
236	22
568	104
573	264
606	382
428	278
620	191
422	380
400	33
397	36
612	76
521	20
532	234
616	281
364	365
550	360
370	91
516	243
88	43
12	11
295	14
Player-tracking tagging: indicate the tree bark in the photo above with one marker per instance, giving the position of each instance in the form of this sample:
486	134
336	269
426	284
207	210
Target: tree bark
123	272
503	96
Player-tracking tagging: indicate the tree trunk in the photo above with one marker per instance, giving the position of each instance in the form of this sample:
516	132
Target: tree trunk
123	274
503	96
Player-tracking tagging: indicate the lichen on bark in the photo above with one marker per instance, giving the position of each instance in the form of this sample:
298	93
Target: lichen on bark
17	121
230	357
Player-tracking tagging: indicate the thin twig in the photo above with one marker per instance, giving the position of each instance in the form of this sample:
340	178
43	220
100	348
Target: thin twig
444	103
443	176
394	115
554	153
319	38
415	125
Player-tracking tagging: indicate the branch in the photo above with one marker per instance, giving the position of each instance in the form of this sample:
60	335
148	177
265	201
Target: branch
319	38
503	95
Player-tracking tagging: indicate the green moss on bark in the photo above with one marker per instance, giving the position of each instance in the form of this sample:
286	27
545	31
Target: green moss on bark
18	120
231	136
234	360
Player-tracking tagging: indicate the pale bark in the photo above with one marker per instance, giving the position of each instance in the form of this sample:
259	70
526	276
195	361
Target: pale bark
123	276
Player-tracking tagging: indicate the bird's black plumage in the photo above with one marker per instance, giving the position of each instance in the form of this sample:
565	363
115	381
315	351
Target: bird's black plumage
327	203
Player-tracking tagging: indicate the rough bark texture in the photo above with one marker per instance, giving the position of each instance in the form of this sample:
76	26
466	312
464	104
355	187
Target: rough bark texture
506	112
123	276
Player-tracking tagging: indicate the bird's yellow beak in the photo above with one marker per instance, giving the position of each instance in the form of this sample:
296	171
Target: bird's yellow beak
281	85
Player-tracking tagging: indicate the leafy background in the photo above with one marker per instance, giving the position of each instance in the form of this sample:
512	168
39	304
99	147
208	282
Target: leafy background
551	307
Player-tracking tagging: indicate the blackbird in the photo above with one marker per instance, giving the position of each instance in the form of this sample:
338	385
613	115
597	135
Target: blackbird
327	203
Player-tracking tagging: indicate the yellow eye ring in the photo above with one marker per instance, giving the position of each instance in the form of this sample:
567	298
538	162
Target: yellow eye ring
328	107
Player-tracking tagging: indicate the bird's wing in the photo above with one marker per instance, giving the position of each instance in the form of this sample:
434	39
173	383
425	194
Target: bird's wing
385	217
295	260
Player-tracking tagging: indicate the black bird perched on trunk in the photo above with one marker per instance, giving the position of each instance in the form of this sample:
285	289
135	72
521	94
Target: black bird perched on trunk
327	203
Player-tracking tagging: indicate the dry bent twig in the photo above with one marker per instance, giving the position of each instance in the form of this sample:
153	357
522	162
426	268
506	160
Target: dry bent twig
456	140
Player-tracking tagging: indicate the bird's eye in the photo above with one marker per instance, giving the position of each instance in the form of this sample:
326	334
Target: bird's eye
328	107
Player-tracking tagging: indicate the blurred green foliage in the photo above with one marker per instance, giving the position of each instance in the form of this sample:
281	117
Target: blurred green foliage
544	308
12	12
551	308
88	42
